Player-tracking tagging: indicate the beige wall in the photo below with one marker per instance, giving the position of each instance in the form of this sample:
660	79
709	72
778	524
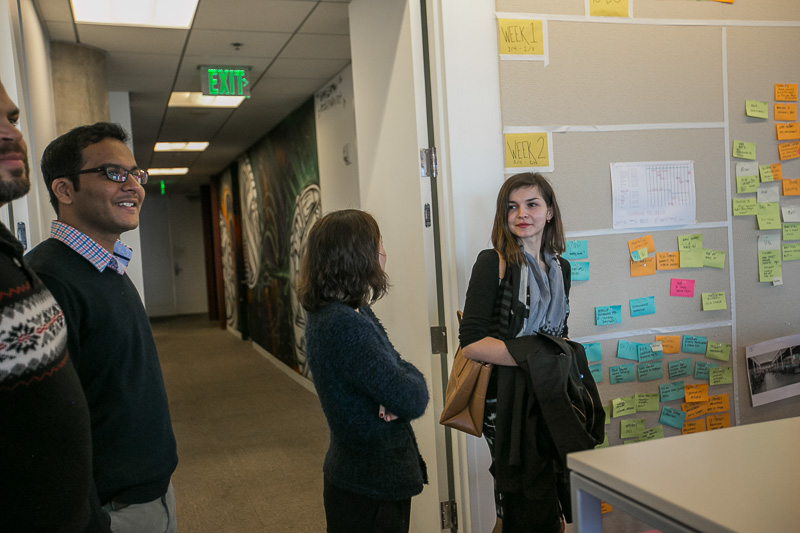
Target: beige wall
80	87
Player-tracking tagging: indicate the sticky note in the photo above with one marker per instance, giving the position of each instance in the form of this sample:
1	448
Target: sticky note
791	213
765	171
671	391
767	192
756	109
787	130
696	393
603	444
609	9
631	427
790	187
744	206
520	37
628	350
692	258
746	184
527	150
638	255
693	427
623	406
681	287
621	374
791	251
744	150
646	401
720	376
693	241
791	231
643	306
645	242
671	343
777	171
701	369
646	353
713	258
645	267
597	372
769	266
653	433
786	92
667	260
594	352
609	314
789	150
680	368
650	371
768	241
579	270
672	417
576	250
747	168
718	350
694	410
718	403
714	301
785	111
605	508
718	421
694	344
768	215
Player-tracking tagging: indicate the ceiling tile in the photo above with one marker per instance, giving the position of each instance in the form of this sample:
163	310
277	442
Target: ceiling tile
183	124
264	15
276	87
306	68
328	18
217	43
309	46
141	72
132	39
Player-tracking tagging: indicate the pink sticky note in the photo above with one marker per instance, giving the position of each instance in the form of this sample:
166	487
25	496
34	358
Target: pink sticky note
681	287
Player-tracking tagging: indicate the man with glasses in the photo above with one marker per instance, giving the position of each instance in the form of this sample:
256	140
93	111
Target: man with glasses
96	190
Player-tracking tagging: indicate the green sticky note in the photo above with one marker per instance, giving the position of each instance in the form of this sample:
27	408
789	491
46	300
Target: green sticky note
714	301
603	444
746	184
765	171
692	258
720	376
744	150
646	401
653	433
631	428
608	409
638	255
791	231
623	406
714	258
690	242
718	350
769	266
756	109
768	215
744	206
791	251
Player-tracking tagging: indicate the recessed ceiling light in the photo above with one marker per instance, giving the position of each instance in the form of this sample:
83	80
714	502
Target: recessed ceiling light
181	99
180	147
153	13
168	171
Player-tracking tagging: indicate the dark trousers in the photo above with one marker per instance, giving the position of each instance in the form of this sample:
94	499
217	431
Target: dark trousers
348	512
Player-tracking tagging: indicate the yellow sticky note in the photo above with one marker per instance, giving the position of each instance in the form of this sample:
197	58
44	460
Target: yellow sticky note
786	92
671	343
791	231
692	258
605	8
645	267
744	206
785	111
668	260
527	150
746	184
786	131
744	150
718	403
520	37
791	187
765	171
696	393
769	266
693	426
791	251
690	242
714	301
789	150
719	351
624	406
768	215
756	108
714	258
718	421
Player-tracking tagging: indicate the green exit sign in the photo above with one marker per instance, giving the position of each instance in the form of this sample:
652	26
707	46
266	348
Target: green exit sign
225	81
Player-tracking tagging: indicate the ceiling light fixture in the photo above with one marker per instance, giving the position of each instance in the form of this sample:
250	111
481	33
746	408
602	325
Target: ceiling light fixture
184	99
180	147
152	13
178	171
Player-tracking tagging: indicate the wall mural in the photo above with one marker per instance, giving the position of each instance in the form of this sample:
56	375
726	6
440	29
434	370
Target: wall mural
279	191
227	240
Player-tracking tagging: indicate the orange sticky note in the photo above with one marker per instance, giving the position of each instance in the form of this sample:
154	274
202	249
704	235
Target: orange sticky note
718	421
645	267
668	260
786	92
642	242
670	343
718	403
787	131
789	151
791	187
777	171
696	393
785	111
693	426
694	410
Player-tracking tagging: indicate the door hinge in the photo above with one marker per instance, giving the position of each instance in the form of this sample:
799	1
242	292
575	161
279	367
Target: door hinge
438	340
449	515
427	163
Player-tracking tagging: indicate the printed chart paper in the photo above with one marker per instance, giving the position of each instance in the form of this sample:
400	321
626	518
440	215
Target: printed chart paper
655	193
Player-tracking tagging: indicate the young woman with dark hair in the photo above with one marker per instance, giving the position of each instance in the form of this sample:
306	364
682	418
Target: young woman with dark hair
368	392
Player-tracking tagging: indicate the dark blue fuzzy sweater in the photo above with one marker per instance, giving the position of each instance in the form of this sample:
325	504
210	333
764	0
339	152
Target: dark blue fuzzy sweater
356	369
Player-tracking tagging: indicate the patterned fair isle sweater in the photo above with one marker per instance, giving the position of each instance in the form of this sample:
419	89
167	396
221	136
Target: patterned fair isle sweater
45	439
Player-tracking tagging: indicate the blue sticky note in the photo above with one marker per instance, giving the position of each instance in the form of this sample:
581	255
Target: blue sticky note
643	306
610	314
579	270
646	353
593	352
628	350
680	368
694	344
671	391
701	369
576	250
650	371
672	417
621	373
597	372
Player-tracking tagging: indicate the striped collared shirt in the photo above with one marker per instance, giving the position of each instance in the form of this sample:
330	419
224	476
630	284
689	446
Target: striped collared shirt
98	256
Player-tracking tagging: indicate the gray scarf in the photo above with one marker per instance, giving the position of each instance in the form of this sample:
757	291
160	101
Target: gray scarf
548	301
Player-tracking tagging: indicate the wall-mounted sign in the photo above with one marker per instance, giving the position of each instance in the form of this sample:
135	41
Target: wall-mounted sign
225	81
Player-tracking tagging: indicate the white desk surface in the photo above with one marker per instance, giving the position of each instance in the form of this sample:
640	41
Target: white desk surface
742	479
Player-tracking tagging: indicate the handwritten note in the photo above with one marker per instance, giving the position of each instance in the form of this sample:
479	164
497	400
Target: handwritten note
650	352
693	241
609	314
680	368
791	213
681	287
791	231
597	372
701	369
631	427
744	150
770	268
718	350
714	301
718	421
694	410
594	352
671	391
579	270
718	403
785	111
527	150
668	260
765	171
768	215
786	131
521	37
756	108
720	376
693	427
576	250
694	344
714	258
604	8
628	350
653	433
623	406
672	417
786	92
789	150
621	374
746	184
791	251
643	306
692	258
767	192
645	267
642	242
650	371
646	401
670	343
791	187
744	206
696	393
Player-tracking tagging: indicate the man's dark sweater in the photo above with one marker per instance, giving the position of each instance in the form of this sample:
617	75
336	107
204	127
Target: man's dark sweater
111	345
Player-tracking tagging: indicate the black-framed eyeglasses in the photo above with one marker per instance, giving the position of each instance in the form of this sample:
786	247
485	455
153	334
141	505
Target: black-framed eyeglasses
114	173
